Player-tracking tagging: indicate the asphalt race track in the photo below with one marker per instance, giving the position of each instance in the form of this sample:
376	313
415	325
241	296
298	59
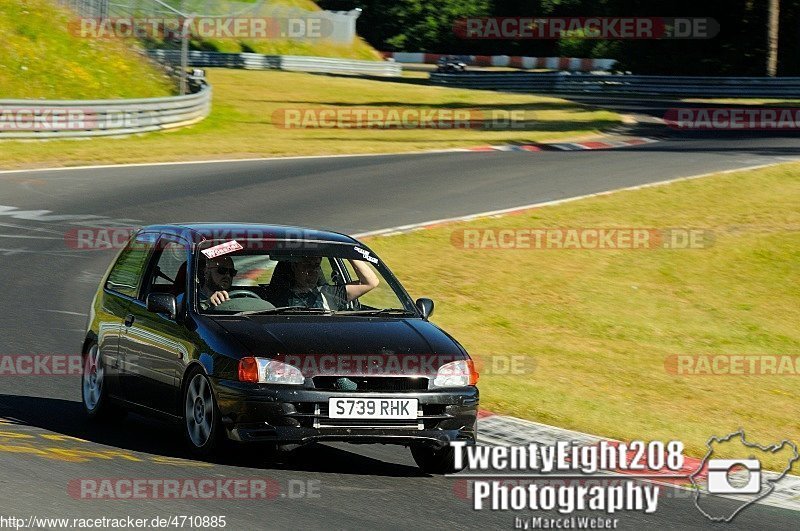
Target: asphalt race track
47	288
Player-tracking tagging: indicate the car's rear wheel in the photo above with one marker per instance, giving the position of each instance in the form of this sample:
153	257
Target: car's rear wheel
434	461
93	389
202	423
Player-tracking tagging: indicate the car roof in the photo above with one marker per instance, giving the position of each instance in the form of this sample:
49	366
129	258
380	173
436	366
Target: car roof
198	232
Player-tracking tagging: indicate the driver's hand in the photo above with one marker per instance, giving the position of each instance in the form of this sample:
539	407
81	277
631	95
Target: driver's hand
218	297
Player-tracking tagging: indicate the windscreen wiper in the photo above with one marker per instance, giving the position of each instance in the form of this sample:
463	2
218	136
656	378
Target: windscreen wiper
396	311
284	309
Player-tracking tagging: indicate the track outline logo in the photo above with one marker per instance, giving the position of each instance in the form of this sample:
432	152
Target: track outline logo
769	490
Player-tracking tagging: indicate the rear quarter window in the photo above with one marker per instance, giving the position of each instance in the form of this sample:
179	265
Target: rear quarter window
126	275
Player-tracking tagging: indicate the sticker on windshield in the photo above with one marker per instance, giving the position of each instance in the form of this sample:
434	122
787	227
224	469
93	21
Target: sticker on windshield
365	254
223	248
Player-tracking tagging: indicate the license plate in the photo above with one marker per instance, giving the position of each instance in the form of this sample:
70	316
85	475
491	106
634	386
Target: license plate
372	408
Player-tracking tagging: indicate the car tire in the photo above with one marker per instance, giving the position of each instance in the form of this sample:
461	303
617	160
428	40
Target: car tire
434	461
202	425
94	396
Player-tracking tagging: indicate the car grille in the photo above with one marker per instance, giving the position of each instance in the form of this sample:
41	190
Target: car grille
370	424
373	383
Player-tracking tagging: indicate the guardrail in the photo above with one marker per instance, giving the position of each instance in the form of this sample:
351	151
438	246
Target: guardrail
683	86
296	63
41	119
573	64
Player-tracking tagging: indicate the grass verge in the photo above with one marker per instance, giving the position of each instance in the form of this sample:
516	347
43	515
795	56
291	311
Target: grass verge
244	102
358	49
41	58
598	325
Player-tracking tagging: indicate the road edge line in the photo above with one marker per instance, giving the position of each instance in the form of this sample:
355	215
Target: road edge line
402	229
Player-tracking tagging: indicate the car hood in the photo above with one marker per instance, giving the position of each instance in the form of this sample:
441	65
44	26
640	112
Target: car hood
414	342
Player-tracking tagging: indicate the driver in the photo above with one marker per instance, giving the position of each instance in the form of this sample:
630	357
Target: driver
218	278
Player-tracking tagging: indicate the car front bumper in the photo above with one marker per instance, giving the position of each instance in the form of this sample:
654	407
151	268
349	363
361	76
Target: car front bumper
294	415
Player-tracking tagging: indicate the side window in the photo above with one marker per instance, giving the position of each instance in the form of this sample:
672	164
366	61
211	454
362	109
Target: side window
381	297
172	255
172	258
127	273
328	274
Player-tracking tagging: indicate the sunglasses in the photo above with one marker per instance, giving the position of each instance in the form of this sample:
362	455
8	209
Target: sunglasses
222	270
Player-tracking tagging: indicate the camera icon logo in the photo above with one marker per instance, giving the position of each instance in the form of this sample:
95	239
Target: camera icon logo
722	479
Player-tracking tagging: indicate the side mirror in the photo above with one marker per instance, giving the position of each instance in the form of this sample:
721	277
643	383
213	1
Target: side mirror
162	303
425	306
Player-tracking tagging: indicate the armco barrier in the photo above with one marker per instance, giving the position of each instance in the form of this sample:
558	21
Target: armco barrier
41	119
296	63
599	84
573	64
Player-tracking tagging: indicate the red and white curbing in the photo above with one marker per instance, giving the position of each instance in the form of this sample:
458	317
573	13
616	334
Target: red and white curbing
571	64
506	431
568	146
506	147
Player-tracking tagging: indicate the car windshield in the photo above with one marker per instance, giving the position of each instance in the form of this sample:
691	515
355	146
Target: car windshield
247	277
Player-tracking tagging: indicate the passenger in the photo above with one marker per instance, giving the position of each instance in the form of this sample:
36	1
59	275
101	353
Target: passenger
308	287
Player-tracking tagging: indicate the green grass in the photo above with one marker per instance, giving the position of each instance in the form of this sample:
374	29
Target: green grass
598	325
241	122
359	49
41	58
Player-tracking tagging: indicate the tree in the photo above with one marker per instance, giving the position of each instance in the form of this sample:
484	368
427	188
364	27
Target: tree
738	49
774	17
416	25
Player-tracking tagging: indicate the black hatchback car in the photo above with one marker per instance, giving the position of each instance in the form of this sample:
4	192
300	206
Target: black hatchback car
274	334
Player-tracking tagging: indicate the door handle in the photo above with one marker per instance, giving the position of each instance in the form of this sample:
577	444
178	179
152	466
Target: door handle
129	320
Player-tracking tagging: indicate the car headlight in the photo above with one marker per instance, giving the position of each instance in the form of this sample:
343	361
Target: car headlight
459	373
263	370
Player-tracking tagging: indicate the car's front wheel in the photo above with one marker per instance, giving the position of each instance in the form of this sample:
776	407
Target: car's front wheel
434	461
93	389
201	416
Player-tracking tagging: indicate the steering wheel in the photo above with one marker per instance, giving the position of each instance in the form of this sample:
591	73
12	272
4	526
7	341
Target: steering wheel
240	293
